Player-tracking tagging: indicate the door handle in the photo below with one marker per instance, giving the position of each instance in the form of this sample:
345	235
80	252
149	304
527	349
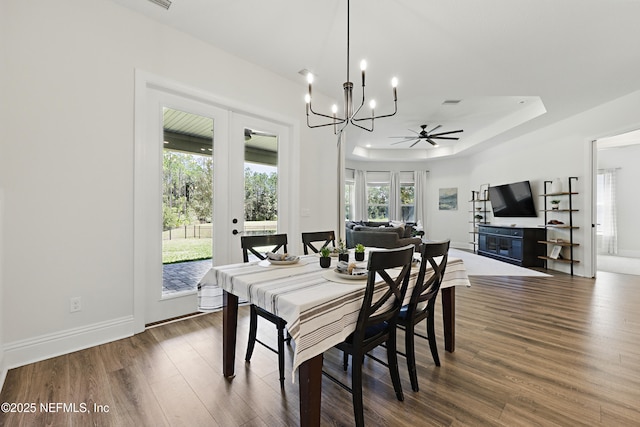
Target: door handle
235	232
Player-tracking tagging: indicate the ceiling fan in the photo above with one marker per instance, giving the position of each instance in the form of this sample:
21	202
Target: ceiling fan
426	135
250	133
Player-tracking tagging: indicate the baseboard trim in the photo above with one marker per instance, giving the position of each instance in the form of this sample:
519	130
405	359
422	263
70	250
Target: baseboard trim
23	352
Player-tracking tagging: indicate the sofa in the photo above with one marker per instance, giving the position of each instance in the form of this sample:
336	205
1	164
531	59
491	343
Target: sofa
380	234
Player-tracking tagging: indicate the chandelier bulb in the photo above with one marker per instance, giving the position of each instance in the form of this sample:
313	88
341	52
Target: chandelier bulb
363	65
372	104
394	82
334	108
307	98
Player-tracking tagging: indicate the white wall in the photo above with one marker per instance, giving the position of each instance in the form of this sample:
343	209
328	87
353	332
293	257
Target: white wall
560	150
626	158
3	113
3	369
67	160
443	173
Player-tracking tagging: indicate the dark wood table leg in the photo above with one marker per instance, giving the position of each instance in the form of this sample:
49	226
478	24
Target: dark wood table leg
449	317
310	377
229	328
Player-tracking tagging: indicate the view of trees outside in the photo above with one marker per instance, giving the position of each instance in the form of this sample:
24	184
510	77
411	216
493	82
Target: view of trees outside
187	204
378	202
408	202
260	194
187	189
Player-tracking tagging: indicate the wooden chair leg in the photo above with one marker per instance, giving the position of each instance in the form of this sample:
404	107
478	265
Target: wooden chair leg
409	344
253	329
281	340
431	334
392	360
356	387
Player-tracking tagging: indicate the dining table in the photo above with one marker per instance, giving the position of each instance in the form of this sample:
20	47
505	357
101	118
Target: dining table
320	306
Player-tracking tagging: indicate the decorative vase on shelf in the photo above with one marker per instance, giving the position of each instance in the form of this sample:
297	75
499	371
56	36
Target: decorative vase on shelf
556	186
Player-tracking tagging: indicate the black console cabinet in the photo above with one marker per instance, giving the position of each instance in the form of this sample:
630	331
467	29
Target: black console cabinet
515	245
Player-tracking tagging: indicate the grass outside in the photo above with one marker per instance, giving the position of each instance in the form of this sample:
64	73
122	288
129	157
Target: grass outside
181	250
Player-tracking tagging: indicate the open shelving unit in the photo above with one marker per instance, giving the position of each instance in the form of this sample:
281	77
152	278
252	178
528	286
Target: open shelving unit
478	207
559	245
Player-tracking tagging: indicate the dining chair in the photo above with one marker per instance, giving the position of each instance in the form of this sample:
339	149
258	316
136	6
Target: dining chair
250	245
422	303
326	237
382	300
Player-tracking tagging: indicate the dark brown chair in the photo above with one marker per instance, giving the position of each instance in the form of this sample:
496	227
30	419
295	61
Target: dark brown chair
328	238
274	243
377	320
422	304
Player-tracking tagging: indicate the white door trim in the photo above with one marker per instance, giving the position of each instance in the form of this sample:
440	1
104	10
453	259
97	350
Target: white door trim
144	208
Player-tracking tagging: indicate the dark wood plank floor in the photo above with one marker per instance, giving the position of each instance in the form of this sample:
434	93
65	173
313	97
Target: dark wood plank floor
561	351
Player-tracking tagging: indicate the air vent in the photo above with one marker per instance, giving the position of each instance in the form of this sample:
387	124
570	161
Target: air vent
451	101
163	3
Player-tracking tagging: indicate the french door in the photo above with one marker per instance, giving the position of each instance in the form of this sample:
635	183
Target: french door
239	147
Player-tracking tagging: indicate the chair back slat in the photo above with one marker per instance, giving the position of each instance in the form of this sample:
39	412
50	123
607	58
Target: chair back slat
250	243
382	301
326	237
435	255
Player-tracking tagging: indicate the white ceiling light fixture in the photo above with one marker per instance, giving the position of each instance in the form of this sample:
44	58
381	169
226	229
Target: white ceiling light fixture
349	112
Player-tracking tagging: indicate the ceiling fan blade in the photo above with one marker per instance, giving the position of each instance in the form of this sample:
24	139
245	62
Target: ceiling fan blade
445	133
417	140
400	142
437	127
405	137
432	142
444	137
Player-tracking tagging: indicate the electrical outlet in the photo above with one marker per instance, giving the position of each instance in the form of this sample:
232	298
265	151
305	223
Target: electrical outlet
75	304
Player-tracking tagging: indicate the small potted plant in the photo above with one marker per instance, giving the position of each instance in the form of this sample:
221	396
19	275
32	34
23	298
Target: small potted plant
359	252
325	257
343	252
555	204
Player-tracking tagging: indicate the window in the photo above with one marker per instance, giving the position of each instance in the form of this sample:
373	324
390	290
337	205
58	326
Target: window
378	201
408	201
349	200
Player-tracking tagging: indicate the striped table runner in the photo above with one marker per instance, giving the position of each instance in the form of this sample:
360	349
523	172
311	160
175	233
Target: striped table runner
319	312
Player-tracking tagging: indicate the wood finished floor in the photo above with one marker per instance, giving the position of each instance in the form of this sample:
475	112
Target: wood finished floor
560	351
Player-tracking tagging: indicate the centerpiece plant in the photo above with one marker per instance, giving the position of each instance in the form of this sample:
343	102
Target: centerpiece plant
325	257
343	252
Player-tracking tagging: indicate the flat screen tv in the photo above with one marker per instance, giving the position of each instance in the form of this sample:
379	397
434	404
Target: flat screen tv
512	200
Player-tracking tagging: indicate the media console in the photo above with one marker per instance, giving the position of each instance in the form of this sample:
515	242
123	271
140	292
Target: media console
515	245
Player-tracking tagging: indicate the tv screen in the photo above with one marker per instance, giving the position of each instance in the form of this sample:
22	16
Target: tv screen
512	200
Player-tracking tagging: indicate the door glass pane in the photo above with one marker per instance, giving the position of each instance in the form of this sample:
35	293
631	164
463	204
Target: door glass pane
260	182
187	177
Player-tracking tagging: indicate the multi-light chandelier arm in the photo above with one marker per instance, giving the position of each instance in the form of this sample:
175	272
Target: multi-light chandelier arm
349	113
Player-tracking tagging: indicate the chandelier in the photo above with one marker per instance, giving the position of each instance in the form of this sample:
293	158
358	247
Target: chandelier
350	114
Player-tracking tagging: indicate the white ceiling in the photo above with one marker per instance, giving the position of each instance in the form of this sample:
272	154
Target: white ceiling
515	65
